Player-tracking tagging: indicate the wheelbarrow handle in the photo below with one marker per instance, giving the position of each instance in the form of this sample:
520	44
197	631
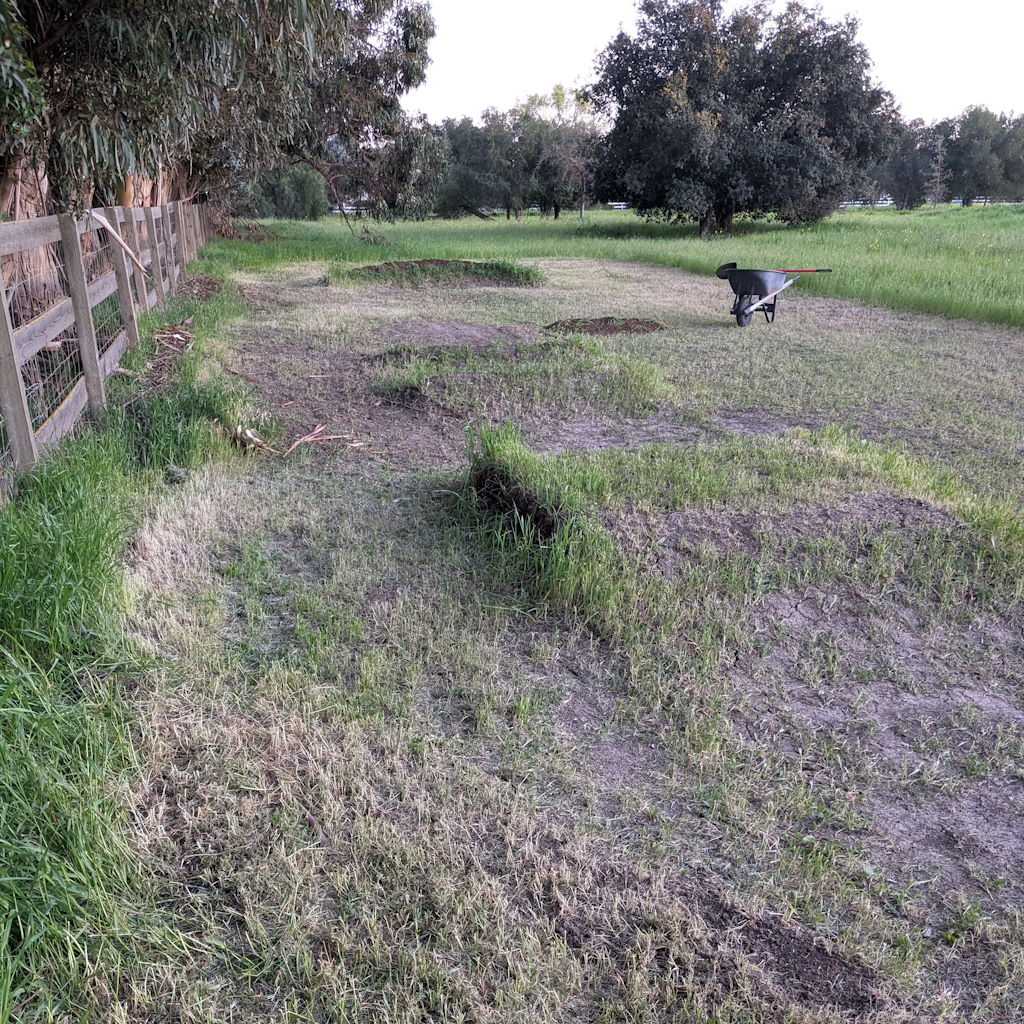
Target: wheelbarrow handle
822	270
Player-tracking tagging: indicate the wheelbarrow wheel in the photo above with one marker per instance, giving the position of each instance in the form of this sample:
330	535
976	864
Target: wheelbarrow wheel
743	318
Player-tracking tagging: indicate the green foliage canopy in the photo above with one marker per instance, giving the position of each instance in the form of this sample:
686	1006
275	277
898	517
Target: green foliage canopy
540	152
204	94
719	113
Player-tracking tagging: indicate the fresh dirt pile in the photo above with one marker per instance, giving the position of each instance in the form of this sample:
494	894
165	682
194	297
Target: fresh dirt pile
200	286
498	493
605	325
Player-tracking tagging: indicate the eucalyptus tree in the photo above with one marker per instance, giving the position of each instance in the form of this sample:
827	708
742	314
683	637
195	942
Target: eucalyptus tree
905	175
717	112
101	96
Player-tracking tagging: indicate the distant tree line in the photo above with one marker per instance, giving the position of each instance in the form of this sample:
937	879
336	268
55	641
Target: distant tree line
706	112
540	153
702	114
976	154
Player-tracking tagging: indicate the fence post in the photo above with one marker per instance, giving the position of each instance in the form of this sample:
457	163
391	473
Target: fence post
169	249
13	405
190	231
132	231
79	289
124	287
154	258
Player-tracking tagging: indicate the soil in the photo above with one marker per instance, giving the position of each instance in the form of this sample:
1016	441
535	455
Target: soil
199	286
911	691
439	333
498	493
556	434
605	325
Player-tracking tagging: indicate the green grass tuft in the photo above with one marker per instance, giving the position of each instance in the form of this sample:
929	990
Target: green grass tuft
67	896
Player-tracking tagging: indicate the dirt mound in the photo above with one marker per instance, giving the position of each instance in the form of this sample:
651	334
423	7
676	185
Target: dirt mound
605	325
200	286
498	493
446	272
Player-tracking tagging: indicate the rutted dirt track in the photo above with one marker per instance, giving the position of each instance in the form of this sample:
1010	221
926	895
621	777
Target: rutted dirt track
538	804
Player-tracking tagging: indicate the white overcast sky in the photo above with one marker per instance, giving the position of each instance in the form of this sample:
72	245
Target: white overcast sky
935	57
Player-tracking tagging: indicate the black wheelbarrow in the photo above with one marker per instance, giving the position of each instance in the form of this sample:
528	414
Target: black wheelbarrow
757	290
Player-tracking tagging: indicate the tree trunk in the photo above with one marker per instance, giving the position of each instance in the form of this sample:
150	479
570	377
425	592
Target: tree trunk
508	213
558	210
10	180
707	218
968	200
723	215
583	206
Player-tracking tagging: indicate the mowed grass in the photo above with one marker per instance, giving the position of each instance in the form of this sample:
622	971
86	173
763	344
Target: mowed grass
70	894
400	756
949	260
406	756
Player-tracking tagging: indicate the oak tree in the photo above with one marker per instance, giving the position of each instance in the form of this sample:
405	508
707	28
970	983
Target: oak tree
721	112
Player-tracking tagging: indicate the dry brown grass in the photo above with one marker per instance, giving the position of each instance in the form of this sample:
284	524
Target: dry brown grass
378	784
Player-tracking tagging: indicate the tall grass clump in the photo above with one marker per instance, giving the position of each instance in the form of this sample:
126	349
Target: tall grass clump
62	740
542	538
67	894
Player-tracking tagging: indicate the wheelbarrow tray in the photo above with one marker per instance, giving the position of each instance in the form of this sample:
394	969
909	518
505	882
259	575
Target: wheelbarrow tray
755	282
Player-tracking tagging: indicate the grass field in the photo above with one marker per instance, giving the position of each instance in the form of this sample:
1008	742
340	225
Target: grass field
629	677
948	260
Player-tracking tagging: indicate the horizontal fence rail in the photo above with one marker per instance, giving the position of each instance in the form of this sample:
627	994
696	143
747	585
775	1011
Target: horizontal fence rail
71	290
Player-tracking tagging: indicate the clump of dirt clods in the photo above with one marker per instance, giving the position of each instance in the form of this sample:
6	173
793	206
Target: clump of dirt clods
499	493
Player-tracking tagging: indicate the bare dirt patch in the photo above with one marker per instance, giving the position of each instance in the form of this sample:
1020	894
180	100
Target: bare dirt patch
605	325
415	332
551	434
758	423
922	702
686	530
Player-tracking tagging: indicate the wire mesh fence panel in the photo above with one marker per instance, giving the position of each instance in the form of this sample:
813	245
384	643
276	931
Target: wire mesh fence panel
51	374
45	343
107	322
35	280
96	254
106	314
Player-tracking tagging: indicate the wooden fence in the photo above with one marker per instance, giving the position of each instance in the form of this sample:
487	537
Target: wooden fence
71	289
